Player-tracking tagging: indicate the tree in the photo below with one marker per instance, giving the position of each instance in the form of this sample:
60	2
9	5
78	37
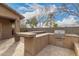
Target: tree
49	21
55	25
32	22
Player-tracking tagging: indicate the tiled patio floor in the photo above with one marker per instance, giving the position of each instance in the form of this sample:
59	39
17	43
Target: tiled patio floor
10	48
51	50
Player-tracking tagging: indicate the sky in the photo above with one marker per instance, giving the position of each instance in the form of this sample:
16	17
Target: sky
34	9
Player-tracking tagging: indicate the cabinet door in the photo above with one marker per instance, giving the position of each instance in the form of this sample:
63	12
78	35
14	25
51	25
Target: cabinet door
60	42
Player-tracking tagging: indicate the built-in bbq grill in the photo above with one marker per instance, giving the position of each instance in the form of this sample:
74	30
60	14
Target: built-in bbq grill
59	34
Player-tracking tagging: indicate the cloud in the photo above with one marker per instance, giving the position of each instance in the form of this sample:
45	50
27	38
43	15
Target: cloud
34	5
68	22
29	15
52	8
25	9
22	8
39	10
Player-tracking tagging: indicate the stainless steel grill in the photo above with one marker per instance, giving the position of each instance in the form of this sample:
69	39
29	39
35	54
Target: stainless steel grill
60	34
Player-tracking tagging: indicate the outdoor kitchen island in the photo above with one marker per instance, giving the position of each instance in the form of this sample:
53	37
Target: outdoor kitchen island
34	43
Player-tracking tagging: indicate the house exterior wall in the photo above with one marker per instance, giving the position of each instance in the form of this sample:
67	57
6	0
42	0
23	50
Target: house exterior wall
5	25
5	29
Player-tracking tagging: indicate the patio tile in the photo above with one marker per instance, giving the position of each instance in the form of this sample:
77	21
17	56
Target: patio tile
51	50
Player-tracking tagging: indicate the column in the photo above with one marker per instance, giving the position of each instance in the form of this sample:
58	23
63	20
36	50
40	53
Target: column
17	29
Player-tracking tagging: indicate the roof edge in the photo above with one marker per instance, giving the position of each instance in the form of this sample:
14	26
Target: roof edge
5	5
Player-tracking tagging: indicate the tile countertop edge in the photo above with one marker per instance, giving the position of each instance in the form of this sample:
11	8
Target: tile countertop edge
31	34
73	35
26	34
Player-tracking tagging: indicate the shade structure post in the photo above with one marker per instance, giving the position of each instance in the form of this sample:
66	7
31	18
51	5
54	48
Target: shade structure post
17	29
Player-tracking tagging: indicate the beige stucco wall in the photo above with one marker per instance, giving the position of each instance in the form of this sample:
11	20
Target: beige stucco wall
5	29
76	48
32	46
67	42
